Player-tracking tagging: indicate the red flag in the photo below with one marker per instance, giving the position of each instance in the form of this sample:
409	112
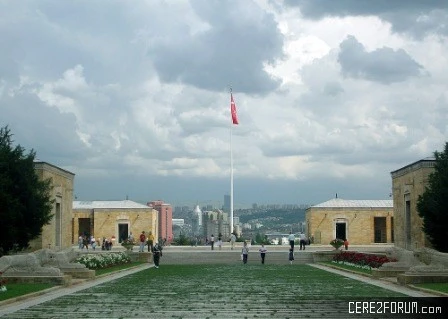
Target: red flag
233	110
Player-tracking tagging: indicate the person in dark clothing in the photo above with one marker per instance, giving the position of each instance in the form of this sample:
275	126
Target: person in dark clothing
156	253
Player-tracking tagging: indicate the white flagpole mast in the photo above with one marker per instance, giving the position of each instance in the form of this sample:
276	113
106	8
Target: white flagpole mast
231	174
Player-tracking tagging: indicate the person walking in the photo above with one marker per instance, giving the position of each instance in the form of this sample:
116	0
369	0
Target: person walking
245	252
346	244
93	242
219	241
156	253
263	252
291	255
212	241
150	241
142	242
303	241
232	241
80	245
291	239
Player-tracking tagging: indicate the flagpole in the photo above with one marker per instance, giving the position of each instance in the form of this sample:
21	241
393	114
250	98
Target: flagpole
231	176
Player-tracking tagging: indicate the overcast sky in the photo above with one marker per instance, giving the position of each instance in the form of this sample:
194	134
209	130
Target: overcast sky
133	97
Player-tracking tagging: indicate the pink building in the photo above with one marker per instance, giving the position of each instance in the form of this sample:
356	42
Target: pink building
165	220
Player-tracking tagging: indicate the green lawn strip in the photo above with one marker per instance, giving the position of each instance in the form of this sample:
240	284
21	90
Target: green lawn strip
437	286
103	271
353	269
20	289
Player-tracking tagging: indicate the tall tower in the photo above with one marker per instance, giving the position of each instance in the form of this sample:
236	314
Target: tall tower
198	214
165	220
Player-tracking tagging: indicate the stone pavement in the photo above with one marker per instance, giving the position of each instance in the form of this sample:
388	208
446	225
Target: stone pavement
34	307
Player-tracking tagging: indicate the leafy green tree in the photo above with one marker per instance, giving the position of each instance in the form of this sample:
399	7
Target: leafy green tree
432	204
25	200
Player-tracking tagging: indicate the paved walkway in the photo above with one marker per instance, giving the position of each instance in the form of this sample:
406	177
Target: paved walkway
9	309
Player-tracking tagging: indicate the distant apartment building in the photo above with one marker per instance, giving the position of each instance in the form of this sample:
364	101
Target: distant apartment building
216	222
165	220
178	222
226	206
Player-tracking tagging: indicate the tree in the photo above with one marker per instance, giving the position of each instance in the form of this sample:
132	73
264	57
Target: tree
432	204
25	200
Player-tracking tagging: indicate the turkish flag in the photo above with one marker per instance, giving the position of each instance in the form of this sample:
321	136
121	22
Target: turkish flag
233	110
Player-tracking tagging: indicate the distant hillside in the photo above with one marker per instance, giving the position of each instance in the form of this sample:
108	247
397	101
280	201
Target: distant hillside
277	219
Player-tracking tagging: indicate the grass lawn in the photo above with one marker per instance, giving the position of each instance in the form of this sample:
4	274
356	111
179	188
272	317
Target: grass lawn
348	267
20	289
214	291
438	286
99	272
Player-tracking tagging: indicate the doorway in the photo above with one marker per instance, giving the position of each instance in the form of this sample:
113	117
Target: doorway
407	212
380	230
341	230
84	227
58	222
123	232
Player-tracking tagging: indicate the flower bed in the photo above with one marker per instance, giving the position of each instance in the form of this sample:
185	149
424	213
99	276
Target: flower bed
360	260
98	261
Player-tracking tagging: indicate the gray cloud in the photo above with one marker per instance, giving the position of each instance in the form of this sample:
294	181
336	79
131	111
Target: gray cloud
240	37
414	17
383	65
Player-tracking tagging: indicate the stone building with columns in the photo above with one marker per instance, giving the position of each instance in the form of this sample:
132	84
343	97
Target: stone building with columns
408	183
58	233
362	222
115	220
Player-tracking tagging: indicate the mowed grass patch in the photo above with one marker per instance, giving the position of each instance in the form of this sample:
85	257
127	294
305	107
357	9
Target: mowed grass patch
214	291
20	289
437	286
347	267
103	271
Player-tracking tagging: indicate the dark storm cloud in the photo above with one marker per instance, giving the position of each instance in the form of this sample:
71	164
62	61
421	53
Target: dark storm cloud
383	65
239	39
415	17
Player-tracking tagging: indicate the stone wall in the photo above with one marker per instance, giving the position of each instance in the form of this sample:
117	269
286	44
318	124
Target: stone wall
321	224
58	233
407	184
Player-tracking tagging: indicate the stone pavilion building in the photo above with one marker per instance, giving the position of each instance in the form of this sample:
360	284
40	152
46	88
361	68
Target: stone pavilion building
58	233
408	183
362	222
115	220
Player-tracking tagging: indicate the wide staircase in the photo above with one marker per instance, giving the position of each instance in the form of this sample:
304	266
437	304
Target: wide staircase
173	256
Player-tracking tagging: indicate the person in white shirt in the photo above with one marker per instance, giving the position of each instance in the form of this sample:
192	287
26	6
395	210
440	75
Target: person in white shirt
291	239
245	252
232	241
263	252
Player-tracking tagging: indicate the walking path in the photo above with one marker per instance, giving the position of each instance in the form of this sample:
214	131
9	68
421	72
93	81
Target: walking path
174	255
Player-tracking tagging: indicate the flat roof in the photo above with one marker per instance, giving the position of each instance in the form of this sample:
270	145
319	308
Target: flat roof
52	165
107	204
353	203
426	162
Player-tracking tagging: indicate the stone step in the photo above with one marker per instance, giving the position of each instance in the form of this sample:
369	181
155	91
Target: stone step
231	257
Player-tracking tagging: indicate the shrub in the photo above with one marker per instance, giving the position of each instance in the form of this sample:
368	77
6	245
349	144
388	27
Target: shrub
97	261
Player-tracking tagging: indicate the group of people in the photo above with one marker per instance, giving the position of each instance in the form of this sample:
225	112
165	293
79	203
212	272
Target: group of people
154	248
84	241
303	241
